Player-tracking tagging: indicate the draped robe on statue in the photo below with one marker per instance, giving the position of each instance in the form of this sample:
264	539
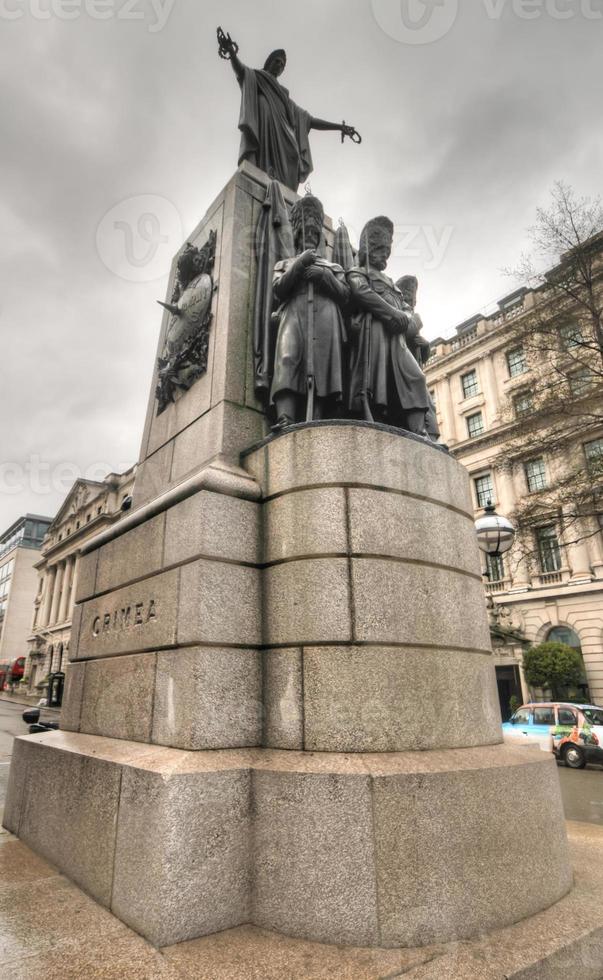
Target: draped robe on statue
274	130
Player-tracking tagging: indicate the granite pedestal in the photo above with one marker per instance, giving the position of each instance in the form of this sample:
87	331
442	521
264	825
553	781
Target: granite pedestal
281	707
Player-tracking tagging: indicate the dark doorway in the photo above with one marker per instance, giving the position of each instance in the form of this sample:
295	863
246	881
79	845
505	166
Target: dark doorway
507	679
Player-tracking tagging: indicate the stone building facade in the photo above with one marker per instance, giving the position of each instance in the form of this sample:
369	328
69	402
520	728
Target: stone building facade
19	551
481	382
89	508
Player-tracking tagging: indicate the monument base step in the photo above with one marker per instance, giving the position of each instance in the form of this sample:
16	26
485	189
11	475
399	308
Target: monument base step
382	850
63	935
564	941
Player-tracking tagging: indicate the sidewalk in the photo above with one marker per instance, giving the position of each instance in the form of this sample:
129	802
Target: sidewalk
28	701
49	928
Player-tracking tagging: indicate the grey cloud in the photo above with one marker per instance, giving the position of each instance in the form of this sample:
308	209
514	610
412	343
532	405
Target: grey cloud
467	133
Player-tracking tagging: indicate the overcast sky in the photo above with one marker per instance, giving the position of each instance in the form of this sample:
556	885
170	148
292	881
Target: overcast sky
114	110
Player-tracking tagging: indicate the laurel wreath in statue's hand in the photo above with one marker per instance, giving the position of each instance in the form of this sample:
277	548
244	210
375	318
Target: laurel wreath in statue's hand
226	46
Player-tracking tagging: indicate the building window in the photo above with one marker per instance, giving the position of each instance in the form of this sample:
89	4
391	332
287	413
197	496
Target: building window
484	490
571	336
516	362
535	475
580	383
523	404
548	549
470	385
475	425
495	568
564	634
432	395
594	455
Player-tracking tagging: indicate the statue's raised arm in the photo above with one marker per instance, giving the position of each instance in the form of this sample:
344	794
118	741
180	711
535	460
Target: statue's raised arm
274	130
228	51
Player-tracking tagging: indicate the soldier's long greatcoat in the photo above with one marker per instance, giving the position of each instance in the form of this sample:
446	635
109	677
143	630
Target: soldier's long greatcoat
291	355
395	380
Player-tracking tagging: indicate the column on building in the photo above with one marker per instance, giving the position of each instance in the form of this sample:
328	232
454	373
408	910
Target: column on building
509	491
575	542
38	604
448	414
594	544
66	590
56	598
491	391
49	581
76	568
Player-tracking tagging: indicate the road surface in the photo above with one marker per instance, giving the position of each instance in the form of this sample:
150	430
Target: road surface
12	724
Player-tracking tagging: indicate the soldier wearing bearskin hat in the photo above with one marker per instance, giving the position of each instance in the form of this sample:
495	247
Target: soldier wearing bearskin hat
383	371
312	293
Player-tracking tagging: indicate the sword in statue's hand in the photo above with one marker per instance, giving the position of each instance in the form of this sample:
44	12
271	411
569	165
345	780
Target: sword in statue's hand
226	46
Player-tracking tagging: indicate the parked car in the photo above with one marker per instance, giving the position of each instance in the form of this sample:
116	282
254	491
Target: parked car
574	732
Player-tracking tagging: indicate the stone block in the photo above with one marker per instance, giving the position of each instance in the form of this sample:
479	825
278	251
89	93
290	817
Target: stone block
191	404
356	454
85	585
220	604
153	475
311	522
67	811
314	871
307	602
17	777
235	298
76	626
242	427
412	604
283	699
387	699
118	697
450	861
136	618
133	555
208	698
182	862
197	444
212	525
71	707
226	429
383	523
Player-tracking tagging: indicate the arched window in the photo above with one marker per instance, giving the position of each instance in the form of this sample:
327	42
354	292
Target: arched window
563	634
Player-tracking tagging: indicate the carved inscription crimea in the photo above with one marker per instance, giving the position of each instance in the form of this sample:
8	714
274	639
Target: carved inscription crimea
125	618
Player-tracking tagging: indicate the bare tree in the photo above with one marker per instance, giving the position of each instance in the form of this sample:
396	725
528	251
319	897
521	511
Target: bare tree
558	415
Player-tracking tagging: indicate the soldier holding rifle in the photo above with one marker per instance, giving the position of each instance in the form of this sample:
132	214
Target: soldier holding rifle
308	379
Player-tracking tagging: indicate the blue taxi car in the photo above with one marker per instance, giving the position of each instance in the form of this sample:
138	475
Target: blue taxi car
574	732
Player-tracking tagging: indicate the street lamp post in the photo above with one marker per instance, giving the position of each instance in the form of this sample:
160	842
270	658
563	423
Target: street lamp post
495	534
